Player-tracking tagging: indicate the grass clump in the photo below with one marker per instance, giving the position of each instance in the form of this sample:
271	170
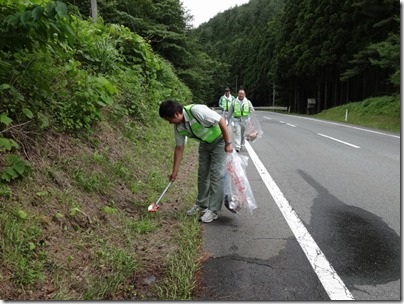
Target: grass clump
113	266
180	280
21	247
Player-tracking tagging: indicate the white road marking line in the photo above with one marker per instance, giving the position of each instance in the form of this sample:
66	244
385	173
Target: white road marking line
341	125
282	122
343	142
328	277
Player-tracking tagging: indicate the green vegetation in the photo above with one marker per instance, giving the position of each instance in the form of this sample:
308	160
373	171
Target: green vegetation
181	281
78	224
83	151
378	112
21	250
336	51
81	159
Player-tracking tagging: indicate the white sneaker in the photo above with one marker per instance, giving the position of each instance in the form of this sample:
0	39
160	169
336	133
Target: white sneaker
195	209
209	216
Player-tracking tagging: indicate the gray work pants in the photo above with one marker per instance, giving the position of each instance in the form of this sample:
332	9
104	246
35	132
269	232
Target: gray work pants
210	175
239	130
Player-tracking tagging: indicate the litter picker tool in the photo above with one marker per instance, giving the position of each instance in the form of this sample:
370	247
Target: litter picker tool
155	206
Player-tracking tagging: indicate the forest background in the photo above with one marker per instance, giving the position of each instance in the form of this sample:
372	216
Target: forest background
80	136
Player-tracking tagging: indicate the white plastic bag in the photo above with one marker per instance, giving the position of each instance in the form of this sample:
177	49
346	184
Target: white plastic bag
253	128
236	187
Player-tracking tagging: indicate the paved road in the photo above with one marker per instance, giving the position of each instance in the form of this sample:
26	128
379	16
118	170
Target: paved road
328	219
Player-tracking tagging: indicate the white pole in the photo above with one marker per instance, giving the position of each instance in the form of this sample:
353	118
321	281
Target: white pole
94	10
346	115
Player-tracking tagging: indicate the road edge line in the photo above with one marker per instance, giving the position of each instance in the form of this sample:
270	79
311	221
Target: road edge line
327	275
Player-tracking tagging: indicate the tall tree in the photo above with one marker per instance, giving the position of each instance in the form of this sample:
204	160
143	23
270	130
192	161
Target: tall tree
236	37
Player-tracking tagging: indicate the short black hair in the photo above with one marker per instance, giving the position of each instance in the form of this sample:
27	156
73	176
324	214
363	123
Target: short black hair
168	108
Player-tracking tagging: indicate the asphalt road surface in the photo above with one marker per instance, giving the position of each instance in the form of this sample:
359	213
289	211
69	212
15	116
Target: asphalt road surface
327	224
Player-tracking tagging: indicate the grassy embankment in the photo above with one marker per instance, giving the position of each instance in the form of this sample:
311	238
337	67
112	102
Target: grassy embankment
379	113
77	228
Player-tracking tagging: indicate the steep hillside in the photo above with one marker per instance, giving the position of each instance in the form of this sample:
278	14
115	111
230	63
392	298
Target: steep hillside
77	227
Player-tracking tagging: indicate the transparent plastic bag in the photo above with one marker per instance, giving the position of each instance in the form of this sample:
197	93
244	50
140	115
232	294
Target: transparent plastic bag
253	128
237	190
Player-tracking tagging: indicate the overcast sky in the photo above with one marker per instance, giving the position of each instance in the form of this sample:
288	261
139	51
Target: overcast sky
203	10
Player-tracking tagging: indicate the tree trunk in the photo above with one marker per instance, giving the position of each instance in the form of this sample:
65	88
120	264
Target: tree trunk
296	99
364	86
326	93
318	98
335	98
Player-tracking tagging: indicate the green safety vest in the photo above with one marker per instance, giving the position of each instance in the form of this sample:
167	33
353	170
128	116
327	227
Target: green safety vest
225	102
241	111
200	132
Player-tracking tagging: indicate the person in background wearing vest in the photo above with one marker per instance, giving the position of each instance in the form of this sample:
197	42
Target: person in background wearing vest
225	101
209	127
239	113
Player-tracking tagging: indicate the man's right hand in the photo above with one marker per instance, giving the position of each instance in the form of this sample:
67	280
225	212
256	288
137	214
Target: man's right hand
229	148
172	176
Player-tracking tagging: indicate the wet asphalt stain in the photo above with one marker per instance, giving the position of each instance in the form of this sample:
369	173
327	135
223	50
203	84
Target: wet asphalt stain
287	276
360	246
